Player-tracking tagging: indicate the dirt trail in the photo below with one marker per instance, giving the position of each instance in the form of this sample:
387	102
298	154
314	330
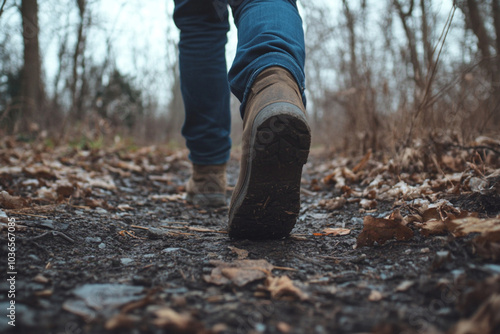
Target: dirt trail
117	248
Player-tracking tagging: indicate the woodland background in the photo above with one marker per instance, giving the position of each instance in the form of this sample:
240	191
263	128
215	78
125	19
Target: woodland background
382	75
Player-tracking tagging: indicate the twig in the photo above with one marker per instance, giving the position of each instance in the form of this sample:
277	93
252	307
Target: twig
27	214
284	268
1	8
194	229
139	227
430	79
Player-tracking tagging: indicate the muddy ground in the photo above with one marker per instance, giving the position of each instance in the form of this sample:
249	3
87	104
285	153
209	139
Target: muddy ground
137	263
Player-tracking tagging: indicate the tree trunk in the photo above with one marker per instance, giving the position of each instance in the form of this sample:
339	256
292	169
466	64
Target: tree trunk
410	35
428	51
31	78
496	23
78	61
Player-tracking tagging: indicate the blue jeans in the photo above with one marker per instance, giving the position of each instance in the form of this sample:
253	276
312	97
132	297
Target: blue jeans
269	34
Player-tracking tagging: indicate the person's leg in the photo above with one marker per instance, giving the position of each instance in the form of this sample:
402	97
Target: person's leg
204	84
268	77
205	91
270	34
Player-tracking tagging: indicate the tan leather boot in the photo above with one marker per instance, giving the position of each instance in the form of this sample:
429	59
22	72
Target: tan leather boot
207	186
276	140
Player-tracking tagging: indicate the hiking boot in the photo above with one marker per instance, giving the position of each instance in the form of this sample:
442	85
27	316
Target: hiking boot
276	140
207	186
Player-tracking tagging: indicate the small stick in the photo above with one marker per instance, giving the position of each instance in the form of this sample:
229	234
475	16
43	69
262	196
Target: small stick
140	227
28	214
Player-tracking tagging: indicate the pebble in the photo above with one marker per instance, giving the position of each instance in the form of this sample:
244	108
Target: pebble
101	211
260	327
34	257
126	261
102	245
93	239
47	223
170	250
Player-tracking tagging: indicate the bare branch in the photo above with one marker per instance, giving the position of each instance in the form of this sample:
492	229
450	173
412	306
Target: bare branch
1	8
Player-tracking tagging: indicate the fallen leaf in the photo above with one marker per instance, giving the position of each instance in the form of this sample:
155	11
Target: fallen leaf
41	279
242	253
489	228
283	327
239	272
125	207
363	162
122	321
65	189
336	231
433	227
12	202
375	296
94	203
333	204
167	198
174	322
282	288
381	230
404	286
44	293
128	166
368	204
40	172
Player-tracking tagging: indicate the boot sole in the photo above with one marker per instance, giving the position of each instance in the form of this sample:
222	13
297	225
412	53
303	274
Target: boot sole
268	203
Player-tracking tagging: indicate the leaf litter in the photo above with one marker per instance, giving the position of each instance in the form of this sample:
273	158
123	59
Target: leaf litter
420	221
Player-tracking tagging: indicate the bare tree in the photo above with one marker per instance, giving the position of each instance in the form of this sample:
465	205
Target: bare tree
32	92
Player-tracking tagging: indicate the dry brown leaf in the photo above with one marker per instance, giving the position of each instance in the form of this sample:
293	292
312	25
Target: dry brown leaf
12	202
283	327
405	285
363	162
124	207
487	244
128	166
333	204
121	321
433	227
238	272
41	279
175	322
242	253
336	231
368	204
282	288
489	228
65	189
485	320
381	230
94	203
40	172
167	198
